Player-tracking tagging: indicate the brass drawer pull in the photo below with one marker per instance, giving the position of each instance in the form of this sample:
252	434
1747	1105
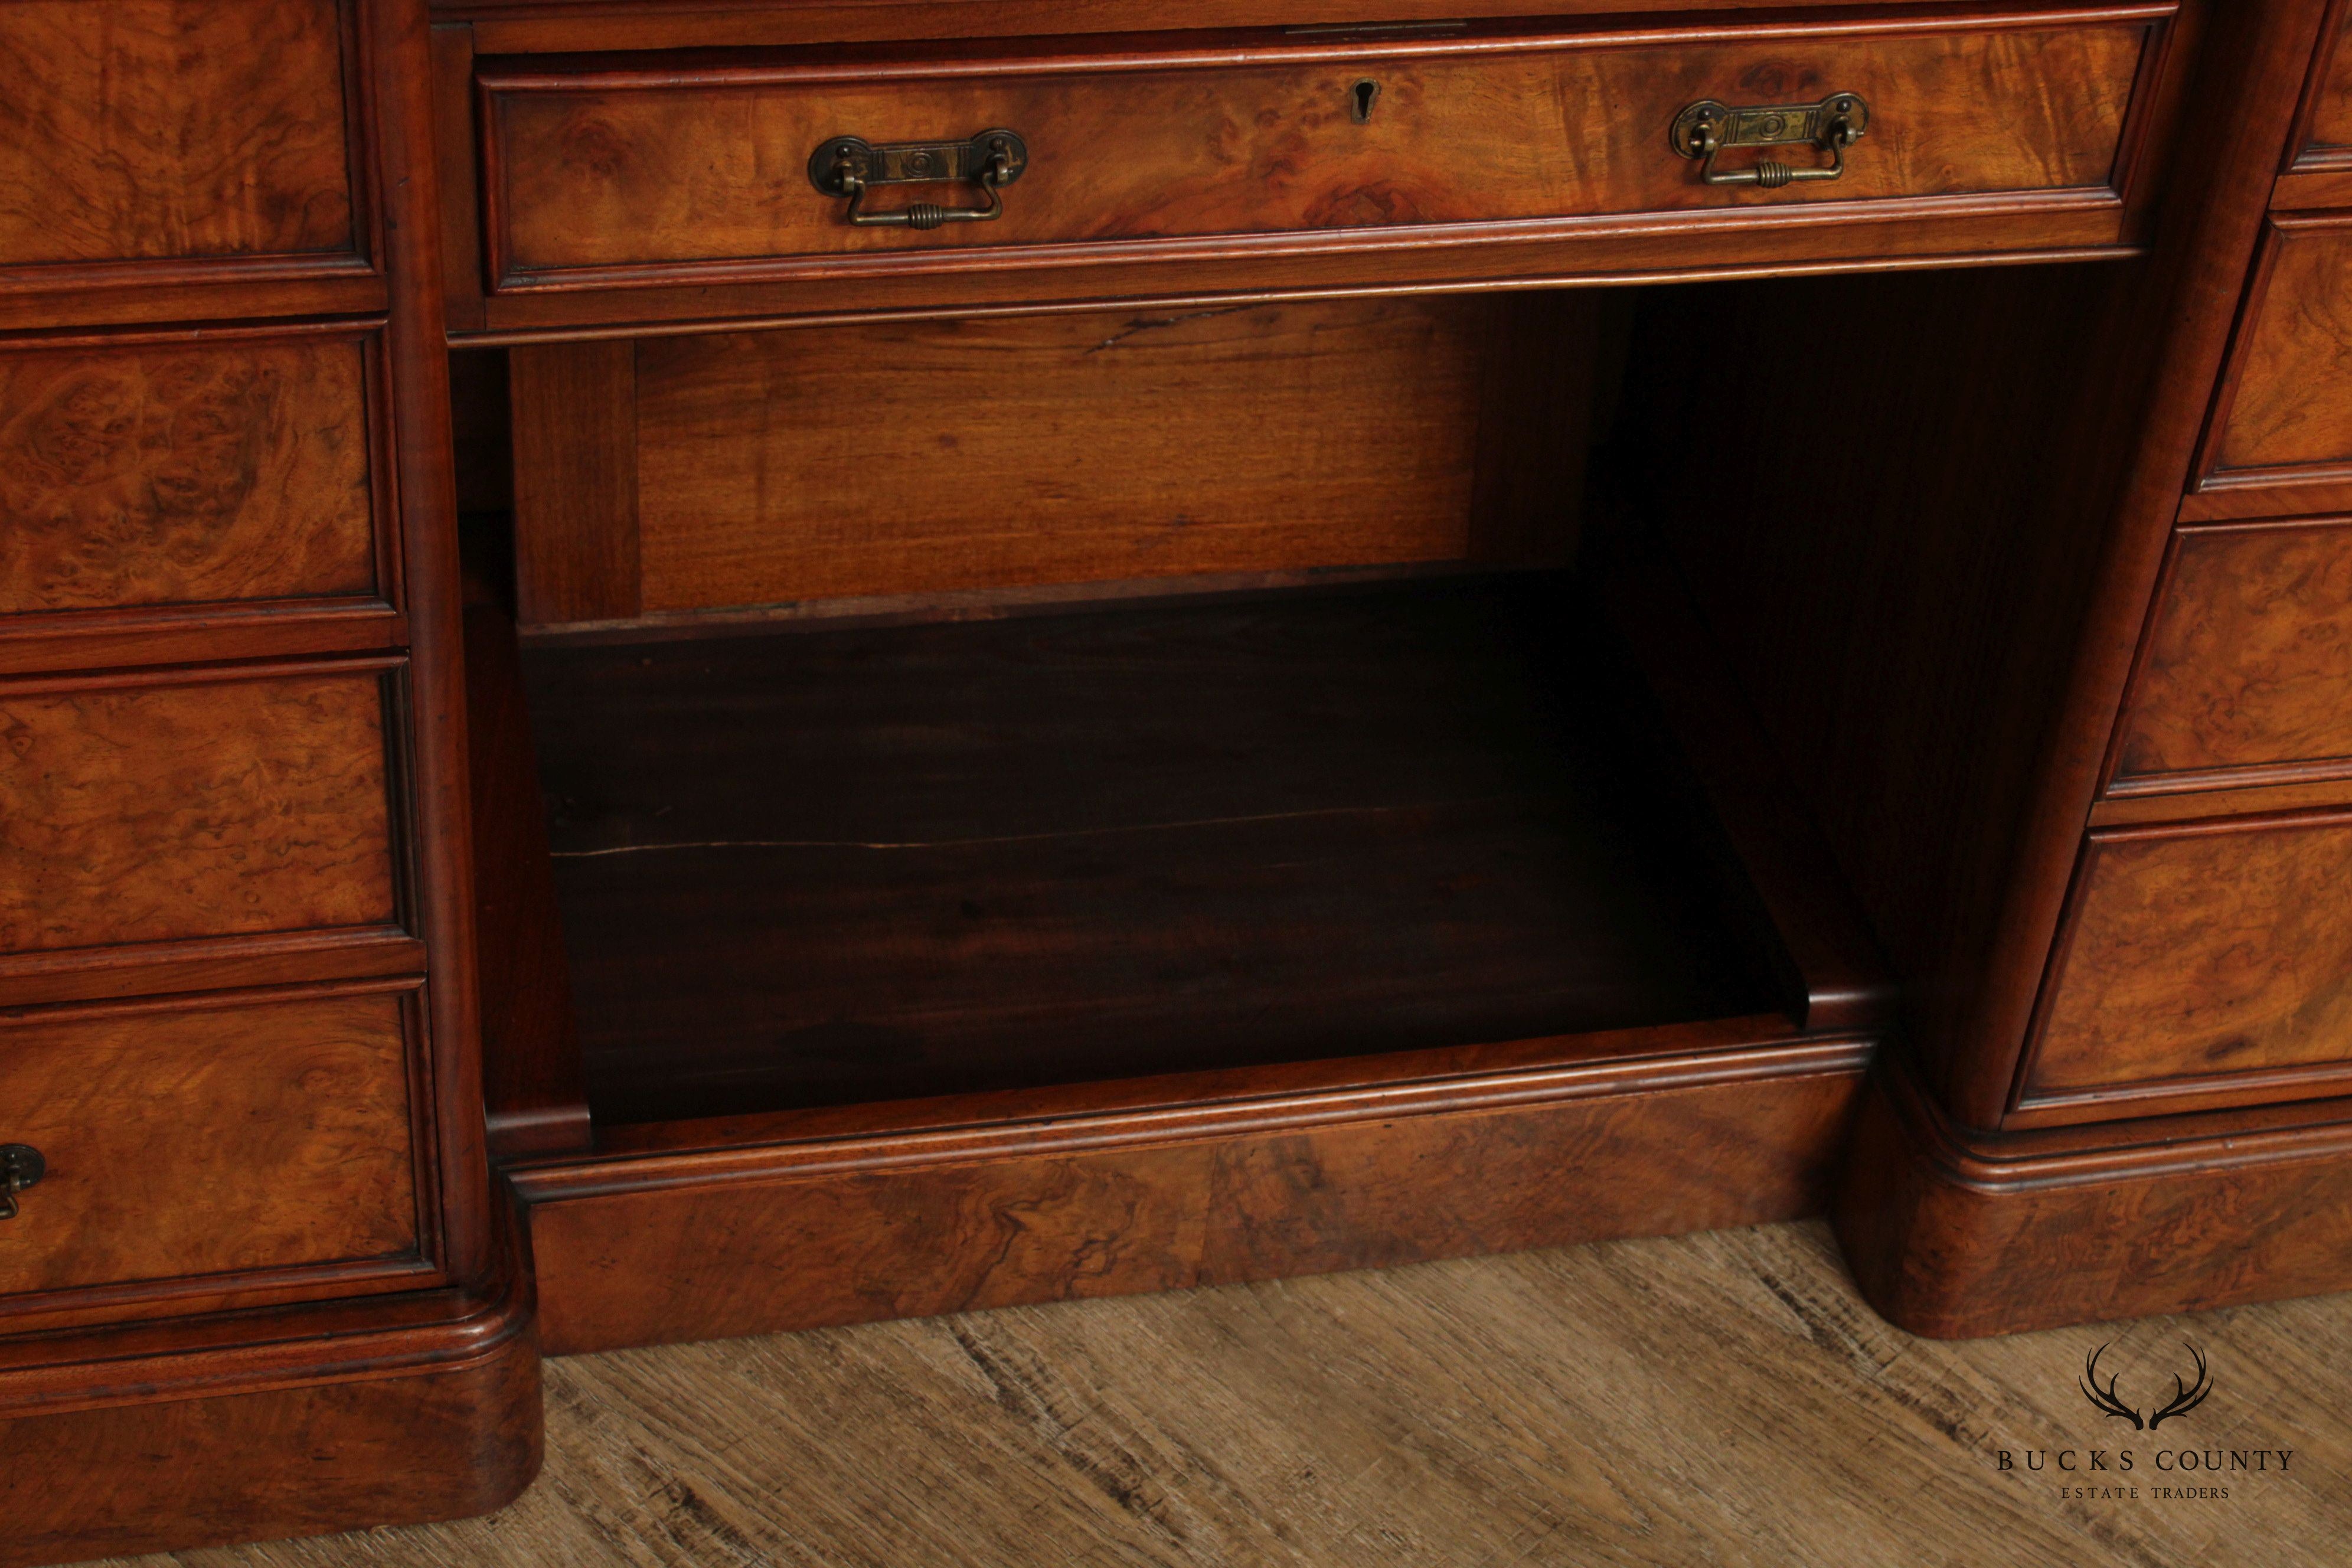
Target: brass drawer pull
21	1166
1705	128
851	166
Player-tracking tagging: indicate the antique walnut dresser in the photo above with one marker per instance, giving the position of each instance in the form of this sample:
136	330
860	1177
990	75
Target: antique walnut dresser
680	667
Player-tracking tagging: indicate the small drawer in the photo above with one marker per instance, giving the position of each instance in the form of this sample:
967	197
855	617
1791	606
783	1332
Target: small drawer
151	473
152	131
2247	674
622	171
2284	417
235	1137
193	803
2200	957
2324	142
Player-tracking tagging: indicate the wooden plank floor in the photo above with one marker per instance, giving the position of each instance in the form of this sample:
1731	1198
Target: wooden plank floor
1720	1399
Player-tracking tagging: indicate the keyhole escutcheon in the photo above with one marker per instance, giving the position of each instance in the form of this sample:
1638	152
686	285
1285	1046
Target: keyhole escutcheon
1361	98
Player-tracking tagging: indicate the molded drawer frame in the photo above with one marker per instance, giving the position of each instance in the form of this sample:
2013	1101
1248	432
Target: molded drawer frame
184	1269
2073	215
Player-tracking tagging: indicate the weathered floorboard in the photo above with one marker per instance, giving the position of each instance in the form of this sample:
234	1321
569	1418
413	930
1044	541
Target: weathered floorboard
1716	1399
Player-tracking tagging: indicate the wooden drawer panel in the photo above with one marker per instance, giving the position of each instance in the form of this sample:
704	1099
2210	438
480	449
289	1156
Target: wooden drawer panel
2212	951
2248	669
193	803
634	171
168	472
153	130
237	1136
2285	412
2324	142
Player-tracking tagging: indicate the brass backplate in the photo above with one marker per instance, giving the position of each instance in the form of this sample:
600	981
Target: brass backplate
1774	125
914	163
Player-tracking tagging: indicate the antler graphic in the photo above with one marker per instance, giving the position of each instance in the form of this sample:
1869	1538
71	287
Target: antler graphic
2185	1399
2107	1398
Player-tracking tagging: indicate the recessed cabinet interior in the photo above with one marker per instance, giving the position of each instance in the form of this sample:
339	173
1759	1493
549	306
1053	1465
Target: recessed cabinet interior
931	710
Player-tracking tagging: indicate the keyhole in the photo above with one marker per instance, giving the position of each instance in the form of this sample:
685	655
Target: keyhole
1364	92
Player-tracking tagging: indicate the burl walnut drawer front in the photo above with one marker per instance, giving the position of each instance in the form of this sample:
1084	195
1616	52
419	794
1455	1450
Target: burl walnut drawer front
2284	416
605	172
2247	674
193	803
153	131
234	1136
2198	954
2324	142
168	472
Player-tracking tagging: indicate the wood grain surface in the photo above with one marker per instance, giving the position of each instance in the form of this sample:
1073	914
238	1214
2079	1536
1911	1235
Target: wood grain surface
224	1138
2290	396
942	455
2327	126
1863	607
533	1093
1716	1401
866	1230
150	129
1959	1234
2249	659
2219	948
442	1436
174	474
573	408
813	866
664	175
204	806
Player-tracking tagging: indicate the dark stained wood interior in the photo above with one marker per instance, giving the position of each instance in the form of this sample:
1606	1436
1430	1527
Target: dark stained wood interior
1896	565
797	868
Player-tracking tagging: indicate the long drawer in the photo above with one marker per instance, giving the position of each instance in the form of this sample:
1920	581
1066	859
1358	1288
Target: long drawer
201	1140
618	170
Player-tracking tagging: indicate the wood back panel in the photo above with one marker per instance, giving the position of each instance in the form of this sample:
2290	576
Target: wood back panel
243	1135
142	810
2215	948
142	130
993	453
634	171
909	459
181	473
2248	667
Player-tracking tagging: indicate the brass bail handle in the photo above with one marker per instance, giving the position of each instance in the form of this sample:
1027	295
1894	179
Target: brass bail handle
21	1166
852	166
1706	128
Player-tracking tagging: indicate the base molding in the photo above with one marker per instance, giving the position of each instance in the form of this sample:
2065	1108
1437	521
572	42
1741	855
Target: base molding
293	1422
1957	1234
752	1234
